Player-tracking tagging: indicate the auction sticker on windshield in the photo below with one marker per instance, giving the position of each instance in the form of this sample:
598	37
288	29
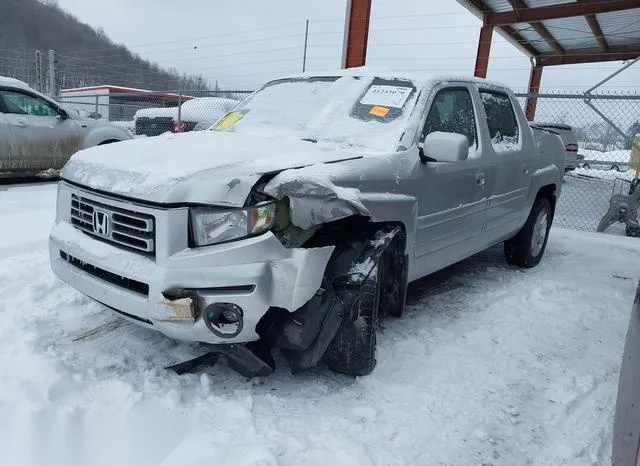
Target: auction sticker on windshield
386	96
377	110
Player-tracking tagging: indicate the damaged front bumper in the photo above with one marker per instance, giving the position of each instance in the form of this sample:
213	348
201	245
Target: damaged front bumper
175	289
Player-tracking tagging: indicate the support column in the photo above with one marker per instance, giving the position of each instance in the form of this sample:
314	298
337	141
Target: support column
534	88
356	34
484	48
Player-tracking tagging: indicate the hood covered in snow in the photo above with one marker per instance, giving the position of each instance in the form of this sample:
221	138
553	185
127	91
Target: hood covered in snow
207	167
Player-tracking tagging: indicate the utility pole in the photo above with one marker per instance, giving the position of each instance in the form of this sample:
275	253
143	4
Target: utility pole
39	71
52	74
306	41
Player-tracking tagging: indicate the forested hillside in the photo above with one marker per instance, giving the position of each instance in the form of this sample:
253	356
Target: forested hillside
84	56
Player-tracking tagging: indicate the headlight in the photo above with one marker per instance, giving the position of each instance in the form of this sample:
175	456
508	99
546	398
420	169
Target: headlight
215	226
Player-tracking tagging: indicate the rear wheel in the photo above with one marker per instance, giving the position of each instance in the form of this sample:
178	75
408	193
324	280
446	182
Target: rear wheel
527	247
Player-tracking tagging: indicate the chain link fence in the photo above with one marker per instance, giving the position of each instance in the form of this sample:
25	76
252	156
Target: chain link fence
604	126
153	113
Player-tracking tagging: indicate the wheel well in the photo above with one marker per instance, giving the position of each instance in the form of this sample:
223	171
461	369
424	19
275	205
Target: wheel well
109	141
549	192
344	230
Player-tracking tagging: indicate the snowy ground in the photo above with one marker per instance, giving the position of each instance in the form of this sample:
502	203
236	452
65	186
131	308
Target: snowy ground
489	366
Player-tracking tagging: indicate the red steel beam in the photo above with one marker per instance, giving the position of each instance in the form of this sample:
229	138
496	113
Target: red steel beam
484	49
524	43
590	56
520	5
356	33
562	10
534	88
594	25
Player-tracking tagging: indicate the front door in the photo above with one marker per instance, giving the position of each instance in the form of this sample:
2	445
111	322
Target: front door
453	196
41	138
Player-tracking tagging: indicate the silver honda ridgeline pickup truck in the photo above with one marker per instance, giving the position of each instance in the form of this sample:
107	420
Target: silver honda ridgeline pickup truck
298	219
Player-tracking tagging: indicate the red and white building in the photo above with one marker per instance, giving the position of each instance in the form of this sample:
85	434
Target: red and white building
116	103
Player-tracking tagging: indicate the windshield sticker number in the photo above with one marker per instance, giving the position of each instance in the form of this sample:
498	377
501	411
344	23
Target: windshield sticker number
387	96
379	111
229	120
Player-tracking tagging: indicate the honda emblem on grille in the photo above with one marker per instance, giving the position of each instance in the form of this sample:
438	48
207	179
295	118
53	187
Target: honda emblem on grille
101	223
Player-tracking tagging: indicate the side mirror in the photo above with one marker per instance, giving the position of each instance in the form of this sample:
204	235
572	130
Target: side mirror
62	114
444	147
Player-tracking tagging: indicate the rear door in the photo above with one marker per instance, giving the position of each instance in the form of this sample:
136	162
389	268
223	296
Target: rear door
41	138
510	170
453	196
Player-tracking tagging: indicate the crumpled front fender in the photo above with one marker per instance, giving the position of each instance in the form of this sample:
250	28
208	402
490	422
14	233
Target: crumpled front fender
314	201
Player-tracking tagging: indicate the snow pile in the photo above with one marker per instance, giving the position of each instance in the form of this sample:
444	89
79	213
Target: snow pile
489	365
209	109
201	109
156	112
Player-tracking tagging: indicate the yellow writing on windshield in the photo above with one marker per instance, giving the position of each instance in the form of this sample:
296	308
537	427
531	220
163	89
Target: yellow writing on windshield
229	120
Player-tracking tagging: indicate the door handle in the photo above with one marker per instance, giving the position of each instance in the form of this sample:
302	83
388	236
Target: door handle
20	123
480	178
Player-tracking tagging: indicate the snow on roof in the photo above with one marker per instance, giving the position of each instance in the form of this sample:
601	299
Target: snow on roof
105	87
4	81
386	73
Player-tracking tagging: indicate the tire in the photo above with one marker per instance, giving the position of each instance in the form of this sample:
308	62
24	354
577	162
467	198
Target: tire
353	349
633	232
527	247
586	166
393	267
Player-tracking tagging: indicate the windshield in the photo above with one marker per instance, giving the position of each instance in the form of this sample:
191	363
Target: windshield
369	113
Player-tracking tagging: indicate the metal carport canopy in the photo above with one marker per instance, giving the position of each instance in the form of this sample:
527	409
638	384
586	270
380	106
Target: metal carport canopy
557	32
551	32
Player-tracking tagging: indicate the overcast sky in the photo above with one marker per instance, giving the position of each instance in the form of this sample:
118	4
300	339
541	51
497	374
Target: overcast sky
246	42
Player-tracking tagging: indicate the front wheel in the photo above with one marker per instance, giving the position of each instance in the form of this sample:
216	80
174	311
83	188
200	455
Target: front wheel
383	292
527	247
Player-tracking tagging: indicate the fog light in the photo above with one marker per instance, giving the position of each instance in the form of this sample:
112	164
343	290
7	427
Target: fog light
223	319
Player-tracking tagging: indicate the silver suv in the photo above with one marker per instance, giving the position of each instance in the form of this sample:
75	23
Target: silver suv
38	135
299	218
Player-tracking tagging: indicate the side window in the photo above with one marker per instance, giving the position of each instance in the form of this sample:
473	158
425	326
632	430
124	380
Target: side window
25	104
501	119
452	112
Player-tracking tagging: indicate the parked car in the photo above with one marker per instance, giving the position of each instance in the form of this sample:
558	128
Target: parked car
201	113
570	142
38	135
615	160
626	429
154	121
195	115
298	226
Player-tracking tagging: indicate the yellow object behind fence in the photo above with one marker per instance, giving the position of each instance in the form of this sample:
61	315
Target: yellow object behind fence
634	159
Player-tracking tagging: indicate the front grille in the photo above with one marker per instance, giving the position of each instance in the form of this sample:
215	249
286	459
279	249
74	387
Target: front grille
127	228
115	279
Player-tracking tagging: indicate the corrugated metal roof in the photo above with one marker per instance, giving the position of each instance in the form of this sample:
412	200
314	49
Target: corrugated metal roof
575	34
621	27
